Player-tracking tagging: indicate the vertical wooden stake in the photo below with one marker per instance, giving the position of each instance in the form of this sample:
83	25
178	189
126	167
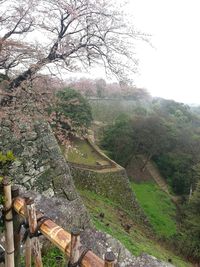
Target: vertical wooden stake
9	253
35	245
16	225
109	259
75	245
28	252
28	241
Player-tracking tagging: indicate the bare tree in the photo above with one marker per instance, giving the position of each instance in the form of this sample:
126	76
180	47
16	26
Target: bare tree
76	33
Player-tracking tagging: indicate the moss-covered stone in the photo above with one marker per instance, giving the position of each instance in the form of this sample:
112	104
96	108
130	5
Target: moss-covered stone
44	181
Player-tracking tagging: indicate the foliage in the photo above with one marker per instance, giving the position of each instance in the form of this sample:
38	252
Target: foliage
189	241
117	140
128	137
51	257
6	159
71	113
166	132
74	106
179	111
54	257
176	167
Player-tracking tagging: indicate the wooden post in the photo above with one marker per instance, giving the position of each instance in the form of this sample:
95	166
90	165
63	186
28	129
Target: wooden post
9	253
109	259
32	220
28	240
75	245
28	252
16	226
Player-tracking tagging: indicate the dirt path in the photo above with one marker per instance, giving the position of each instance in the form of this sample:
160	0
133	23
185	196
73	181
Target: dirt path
158	178
152	169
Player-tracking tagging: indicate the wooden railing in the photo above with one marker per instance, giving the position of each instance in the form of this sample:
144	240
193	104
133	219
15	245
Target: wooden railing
36	222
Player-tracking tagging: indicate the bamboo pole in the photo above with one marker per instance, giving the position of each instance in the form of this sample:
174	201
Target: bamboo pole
28	252
75	246
28	240
16	226
109	259
59	237
32	220
9	253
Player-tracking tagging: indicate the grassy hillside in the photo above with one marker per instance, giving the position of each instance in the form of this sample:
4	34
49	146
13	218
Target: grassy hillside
110	218
157	206
83	153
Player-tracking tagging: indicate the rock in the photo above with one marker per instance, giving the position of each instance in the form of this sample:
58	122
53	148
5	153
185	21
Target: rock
67	214
31	136
101	243
48	193
147	260
26	179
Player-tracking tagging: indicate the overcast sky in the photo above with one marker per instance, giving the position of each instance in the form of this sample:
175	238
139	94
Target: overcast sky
172	69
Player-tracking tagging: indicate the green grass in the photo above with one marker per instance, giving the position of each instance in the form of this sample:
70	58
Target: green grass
137	240
83	153
54	257
51	257
157	206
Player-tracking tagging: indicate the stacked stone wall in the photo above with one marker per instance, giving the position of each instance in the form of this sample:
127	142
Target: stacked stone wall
40	165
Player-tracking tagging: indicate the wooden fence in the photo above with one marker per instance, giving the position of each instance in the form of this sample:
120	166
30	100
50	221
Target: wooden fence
18	211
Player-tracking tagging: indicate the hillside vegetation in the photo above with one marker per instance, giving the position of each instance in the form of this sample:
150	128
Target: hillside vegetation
167	133
164	132
110	218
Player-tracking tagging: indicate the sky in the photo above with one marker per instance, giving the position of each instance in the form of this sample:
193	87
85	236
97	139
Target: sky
172	68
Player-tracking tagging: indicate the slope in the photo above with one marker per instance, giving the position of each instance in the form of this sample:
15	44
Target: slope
112	219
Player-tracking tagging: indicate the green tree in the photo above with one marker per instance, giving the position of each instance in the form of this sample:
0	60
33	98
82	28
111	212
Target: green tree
128	137
72	111
151	136
176	167
117	140
190	241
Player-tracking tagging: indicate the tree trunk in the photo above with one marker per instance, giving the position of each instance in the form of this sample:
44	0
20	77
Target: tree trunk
145	163
28	73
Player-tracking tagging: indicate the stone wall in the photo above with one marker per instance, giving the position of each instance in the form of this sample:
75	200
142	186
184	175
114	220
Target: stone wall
113	184
40	165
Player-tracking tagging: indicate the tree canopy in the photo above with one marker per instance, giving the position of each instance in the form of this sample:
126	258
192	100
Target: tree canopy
71	112
166	132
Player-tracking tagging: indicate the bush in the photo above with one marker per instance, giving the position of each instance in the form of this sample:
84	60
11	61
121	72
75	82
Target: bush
71	112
